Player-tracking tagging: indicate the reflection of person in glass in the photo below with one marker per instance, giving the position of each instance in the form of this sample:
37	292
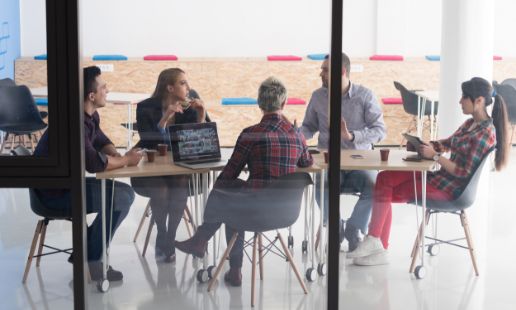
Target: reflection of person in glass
467	146
168	194
270	149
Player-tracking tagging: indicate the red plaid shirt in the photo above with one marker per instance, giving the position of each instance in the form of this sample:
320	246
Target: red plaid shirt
467	149
270	149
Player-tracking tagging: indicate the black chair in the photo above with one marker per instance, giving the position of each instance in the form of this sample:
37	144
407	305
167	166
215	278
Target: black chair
271	208
511	82
41	227
508	93
19	115
455	207
410	104
7	82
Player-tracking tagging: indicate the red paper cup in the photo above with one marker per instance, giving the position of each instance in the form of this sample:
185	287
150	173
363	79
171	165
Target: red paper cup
384	154
162	149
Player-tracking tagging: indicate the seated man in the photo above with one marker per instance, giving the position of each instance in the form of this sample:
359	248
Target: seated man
270	149
361	126
100	155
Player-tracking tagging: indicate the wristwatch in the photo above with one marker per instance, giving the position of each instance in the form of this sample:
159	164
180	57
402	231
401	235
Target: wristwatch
436	156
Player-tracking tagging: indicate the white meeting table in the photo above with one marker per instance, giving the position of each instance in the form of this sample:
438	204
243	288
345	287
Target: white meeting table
118	98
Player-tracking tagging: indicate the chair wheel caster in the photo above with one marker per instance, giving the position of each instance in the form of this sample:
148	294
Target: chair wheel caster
311	274
210	271
103	285
322	269
290	242
304	247
433	249
420	272
202	276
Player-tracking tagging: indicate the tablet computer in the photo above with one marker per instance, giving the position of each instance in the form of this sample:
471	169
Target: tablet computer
415	141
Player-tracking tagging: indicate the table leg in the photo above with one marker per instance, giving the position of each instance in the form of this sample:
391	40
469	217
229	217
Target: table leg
322	238
103	223
129	125
423	202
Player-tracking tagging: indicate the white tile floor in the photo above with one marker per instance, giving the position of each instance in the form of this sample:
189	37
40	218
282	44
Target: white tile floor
450	282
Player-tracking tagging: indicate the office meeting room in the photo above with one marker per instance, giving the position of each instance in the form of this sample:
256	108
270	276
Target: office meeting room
274	154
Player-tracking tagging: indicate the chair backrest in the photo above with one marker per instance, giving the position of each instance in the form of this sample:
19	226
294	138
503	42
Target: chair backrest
7	82
18	110
273	207
511	82
508	93
468	195
38	207
411	100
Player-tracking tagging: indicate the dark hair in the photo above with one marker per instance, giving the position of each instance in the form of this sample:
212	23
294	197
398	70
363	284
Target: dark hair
346	63
166	77
479	87
90	80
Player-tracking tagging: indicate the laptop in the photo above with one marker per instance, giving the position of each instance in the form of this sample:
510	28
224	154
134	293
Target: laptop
196	145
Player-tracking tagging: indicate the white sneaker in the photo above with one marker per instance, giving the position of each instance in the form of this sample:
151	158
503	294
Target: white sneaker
372	260
369	246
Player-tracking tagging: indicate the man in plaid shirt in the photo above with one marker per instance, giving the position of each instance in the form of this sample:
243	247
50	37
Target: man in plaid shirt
270	149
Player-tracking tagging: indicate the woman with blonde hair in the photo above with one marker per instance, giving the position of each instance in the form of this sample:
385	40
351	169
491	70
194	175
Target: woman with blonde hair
173	102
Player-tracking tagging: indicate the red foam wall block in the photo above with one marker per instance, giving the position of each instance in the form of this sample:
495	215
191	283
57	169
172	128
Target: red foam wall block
386	57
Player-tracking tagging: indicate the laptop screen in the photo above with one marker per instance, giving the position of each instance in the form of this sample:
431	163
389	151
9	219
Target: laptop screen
194	141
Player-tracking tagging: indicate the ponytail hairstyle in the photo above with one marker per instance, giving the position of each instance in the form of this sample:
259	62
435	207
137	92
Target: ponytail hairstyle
477	87
501	123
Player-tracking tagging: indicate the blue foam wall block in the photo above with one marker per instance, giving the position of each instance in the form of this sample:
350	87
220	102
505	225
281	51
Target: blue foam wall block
109	57
41	101
317	56
41	57
241	100
433	57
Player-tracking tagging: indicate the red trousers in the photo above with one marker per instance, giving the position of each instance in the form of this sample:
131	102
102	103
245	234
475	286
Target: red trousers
397	187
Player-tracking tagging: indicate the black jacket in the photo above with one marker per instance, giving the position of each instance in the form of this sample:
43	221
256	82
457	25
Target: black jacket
148	115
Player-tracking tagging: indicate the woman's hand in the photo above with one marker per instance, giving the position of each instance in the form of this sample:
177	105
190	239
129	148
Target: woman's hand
198	105
427	151
171	110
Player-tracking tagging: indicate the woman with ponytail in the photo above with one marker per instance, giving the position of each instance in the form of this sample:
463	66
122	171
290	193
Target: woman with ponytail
467	147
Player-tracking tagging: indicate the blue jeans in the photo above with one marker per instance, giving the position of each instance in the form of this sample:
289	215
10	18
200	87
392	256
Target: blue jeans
123	199
353	181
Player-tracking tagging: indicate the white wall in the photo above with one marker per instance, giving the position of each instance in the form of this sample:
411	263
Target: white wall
243	28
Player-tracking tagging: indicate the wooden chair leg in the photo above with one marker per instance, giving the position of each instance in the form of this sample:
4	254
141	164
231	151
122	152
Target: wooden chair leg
415	248
187	221
260	254
292	264
190	219
222	261
253	269
144	215
42	241
147	237
32	249
32	142
418	237
4	142
469	240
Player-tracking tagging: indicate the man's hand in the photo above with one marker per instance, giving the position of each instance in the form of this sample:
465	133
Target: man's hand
344	132
133	156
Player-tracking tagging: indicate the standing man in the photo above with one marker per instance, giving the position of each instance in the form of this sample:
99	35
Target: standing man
100	155
361	126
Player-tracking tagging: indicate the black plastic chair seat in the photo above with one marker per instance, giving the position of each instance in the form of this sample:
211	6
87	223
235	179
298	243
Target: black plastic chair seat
411	101
40	209
22	130
273	207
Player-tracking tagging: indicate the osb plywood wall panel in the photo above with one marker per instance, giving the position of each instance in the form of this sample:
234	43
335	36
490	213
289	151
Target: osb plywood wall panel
217	78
